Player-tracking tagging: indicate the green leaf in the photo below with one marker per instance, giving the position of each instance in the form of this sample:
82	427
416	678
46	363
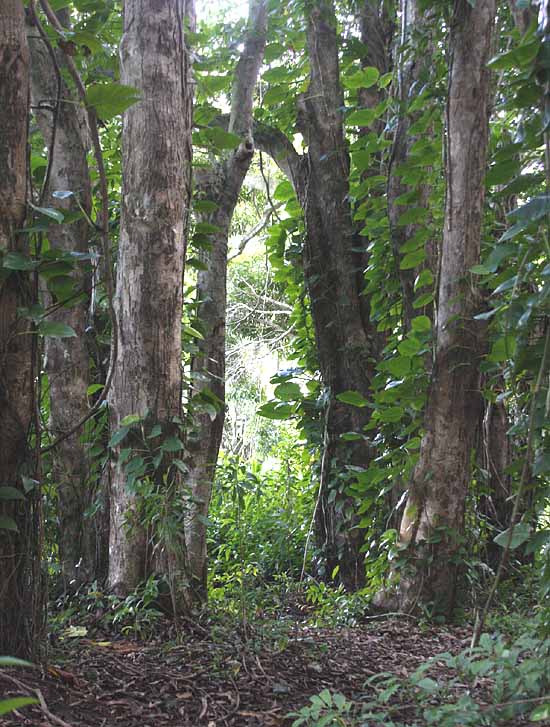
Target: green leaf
94	388
413	259
421	324
503	349
171	444
365	78
361	117
519	57
17	261
352	397
111	99
118	436
409	347
423	300
8	523
8	705
521	533
14	661
130	419
275	410
284	191
11	493
205	206
542	712
288	391
48	212
54	329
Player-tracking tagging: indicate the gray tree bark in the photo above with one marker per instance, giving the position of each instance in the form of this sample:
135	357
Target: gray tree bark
155	206
19	530
221	183
433	522
67	359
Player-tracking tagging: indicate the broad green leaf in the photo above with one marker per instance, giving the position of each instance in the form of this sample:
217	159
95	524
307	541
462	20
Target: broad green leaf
14	661
94	388
503	348
118	436
364	78
8	523
421	324
54	329
288	391
423	300
17	261
520	534
361	117
171	444
542	712
413	259
275	410
49	212
130	419
205	206
517	58
352	397
11	493
111	99
8	705
284	191
409	347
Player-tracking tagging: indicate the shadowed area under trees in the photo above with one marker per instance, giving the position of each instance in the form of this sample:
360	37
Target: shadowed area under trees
274	362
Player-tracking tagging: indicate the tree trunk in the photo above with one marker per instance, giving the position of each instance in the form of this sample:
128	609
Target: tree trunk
220	184
156	148
433	523
20	619
334	281
67	359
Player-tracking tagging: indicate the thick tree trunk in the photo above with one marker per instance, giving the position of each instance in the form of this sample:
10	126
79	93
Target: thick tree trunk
220	184
67	359
334	282
155	203
433	523
20	621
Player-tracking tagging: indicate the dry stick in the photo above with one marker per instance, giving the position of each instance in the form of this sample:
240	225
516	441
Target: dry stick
104	226
42	702
519	495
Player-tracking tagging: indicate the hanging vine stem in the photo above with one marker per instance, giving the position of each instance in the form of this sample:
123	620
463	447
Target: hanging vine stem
103	226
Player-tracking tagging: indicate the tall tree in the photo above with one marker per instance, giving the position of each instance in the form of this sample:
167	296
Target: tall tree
333	271
19	619
63	127
433	523
156	148
220	184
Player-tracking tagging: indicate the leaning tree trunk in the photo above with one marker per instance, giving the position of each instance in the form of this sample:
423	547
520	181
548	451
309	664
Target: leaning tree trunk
20	623
156	141
221	184
433	523
67	359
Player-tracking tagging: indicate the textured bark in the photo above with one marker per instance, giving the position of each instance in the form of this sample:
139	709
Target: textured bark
221	183
334	280
156	141
67	360
19	623
433	522
412	66
333	270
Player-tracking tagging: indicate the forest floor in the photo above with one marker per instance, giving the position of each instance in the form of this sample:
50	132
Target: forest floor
217	678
